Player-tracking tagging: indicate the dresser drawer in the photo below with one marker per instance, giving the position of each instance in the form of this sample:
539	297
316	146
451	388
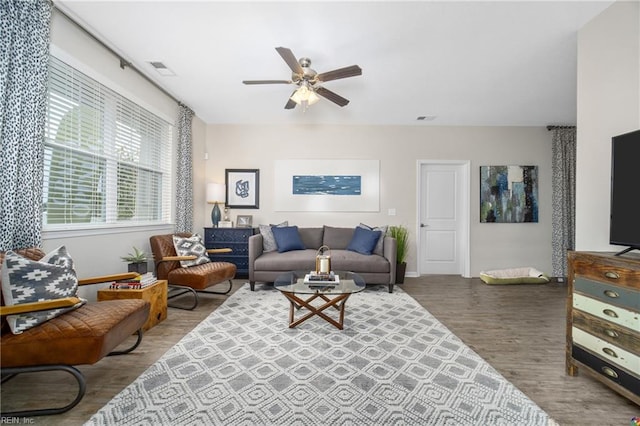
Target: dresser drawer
608	293
614	314
606	350
237	249
241	263
617	335
607	370
607	269
228	235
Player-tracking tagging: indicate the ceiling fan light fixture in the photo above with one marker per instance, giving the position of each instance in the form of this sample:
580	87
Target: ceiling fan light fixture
305	94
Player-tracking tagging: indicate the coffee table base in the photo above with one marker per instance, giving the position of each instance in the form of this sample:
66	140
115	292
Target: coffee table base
337	302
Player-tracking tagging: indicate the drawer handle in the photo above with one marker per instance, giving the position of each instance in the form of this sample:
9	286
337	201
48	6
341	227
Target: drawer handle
612	275
609	372
610	313
612	333
610	352
612	294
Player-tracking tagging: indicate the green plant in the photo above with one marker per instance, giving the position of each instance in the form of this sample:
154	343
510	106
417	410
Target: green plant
138	256
401	234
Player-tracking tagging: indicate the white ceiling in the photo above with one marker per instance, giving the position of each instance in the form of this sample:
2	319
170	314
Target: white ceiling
498	63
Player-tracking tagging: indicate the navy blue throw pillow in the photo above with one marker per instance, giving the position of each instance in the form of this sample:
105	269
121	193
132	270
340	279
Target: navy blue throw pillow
287	238
364	240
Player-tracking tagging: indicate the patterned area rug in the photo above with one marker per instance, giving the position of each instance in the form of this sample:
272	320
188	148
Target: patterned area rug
393	364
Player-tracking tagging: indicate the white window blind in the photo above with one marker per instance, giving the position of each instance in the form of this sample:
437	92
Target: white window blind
107	160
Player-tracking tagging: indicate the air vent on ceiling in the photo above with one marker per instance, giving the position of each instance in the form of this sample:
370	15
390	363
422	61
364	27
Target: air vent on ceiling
162	68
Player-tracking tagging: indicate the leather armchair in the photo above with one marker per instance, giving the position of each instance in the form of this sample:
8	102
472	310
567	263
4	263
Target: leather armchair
191	279
82	336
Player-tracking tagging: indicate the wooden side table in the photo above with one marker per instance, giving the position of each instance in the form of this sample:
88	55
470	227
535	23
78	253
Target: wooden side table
155	294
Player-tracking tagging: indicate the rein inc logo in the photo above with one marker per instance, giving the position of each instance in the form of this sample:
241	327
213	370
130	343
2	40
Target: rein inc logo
17	421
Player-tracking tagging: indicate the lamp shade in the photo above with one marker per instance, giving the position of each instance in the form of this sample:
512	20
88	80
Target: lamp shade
215	193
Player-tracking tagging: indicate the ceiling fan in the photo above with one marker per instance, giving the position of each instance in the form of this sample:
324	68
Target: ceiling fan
307	79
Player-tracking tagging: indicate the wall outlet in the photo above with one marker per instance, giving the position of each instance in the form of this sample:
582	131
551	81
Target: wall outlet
392	212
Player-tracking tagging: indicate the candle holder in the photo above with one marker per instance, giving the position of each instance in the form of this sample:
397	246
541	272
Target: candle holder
323	260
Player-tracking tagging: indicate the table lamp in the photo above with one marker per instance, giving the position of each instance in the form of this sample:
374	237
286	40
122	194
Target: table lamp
215	195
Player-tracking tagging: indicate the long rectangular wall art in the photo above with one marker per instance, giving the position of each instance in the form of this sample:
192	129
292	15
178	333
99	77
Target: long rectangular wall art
508	194
327	185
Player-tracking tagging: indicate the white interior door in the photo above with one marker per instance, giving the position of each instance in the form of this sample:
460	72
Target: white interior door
444	218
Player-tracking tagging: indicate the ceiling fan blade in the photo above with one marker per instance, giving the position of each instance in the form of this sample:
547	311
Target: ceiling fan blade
290	59
345	72
267	81
333	97
290	103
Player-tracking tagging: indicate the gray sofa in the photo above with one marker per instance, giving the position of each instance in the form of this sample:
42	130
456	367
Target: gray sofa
374	268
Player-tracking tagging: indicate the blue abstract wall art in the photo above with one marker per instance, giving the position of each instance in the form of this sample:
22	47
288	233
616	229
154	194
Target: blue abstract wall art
327	185
508	194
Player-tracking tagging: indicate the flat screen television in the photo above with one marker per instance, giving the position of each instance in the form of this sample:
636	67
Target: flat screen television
624	225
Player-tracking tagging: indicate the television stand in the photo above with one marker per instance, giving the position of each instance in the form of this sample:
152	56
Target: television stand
627	250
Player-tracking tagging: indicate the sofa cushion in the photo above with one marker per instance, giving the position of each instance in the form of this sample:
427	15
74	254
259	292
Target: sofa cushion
268	242
311	237
287	238
296	260
191	246
346	260
364	240
25	280
379	249
337	238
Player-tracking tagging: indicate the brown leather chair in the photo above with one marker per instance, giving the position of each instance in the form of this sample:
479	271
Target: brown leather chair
192	279
82	336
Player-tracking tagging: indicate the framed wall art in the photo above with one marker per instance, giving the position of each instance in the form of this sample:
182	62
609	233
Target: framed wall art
327	185
242	188
508	194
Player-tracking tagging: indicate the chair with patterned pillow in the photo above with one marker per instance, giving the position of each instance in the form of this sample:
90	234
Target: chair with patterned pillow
46	327
183	261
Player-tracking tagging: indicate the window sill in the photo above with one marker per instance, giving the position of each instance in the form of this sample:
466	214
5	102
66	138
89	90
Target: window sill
51	234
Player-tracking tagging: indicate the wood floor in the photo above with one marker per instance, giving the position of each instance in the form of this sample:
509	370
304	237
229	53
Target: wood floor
519	330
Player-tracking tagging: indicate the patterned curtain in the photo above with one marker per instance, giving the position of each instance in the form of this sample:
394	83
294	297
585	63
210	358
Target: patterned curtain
24	72
564	196
184	173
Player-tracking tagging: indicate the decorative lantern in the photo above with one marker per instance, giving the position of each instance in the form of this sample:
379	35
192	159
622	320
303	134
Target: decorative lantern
323	260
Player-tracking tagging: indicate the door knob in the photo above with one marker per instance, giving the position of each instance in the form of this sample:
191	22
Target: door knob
422	225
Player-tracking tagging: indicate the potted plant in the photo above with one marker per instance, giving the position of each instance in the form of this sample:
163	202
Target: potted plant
401	234
137	261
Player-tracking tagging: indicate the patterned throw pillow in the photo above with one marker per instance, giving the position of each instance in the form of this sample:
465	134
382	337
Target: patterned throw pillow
192	246
379	249
268	241
25	280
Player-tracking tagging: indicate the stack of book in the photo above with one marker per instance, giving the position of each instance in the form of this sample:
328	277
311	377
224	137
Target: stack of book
141	281
315	278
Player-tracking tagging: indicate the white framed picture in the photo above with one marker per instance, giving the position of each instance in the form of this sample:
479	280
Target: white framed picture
244	221
327	185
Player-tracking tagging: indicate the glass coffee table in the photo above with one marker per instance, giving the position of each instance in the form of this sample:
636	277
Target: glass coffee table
301	295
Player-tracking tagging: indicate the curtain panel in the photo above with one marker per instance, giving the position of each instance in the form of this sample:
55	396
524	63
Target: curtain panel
184	172
564	197
24	72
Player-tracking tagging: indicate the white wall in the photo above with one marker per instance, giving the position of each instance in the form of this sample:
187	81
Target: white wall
398	148
608	105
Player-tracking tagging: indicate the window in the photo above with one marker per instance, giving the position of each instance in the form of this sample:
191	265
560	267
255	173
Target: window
107	160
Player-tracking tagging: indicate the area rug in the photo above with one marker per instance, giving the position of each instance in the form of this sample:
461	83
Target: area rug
393	364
